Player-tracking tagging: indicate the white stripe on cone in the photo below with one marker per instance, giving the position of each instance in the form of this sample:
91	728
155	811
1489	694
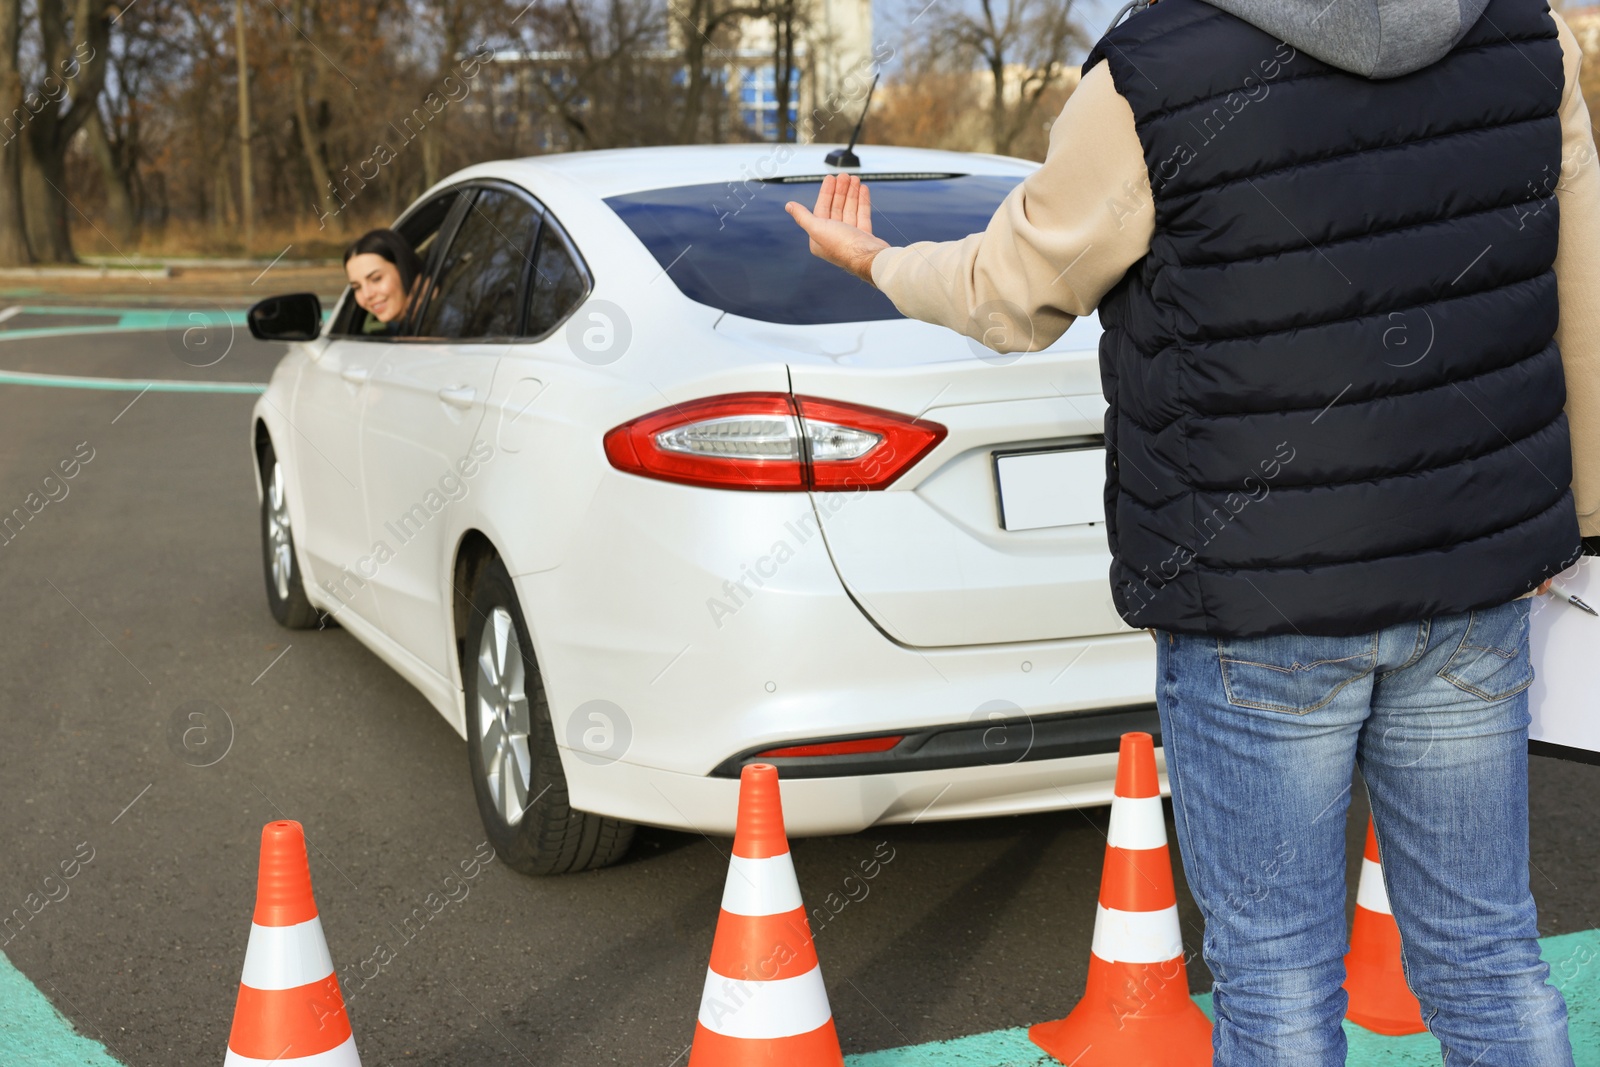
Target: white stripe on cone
761	887
1137	823
343	1056
782	1007
1136	936
284	957
1370	893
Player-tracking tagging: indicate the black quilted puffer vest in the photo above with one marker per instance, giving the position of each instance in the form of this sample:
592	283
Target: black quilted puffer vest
1335	396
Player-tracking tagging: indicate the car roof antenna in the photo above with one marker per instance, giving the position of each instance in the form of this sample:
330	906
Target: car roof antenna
846	157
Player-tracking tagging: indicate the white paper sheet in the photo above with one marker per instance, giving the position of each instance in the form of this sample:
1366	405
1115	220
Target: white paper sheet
1565	641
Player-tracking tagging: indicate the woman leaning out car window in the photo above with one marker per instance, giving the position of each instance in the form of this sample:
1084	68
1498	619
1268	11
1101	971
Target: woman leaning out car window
385	274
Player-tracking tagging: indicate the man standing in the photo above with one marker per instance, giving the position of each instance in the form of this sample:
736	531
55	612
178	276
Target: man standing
1330	231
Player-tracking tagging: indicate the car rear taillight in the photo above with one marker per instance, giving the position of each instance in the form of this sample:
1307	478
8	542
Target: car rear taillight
772	441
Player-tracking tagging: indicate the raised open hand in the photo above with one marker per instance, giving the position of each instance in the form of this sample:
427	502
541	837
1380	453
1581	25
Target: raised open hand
840	226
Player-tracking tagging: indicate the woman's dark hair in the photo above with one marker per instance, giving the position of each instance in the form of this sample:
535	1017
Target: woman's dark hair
394	248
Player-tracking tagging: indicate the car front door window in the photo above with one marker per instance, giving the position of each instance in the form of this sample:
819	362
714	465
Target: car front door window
477	290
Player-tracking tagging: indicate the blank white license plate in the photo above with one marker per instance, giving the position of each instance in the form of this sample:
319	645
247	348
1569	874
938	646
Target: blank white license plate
1060	488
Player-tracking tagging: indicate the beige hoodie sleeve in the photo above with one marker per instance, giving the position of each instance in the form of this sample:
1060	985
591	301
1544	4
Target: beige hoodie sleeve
1578	280
1058	242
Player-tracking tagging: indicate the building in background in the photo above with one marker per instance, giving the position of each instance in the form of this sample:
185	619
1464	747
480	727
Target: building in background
546	100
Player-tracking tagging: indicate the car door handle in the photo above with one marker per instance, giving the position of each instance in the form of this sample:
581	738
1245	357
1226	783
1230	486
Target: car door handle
355	375
458	396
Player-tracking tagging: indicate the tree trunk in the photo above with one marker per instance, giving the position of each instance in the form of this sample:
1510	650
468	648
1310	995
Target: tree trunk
783	24
14	250
694	58
999	131
227	211
324	202
119	202
430	155
246	171
78	62
44	200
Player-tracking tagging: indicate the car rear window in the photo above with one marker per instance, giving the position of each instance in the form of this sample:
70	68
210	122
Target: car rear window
732	245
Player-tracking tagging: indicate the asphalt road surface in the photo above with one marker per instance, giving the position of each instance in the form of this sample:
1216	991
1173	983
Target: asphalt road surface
139	593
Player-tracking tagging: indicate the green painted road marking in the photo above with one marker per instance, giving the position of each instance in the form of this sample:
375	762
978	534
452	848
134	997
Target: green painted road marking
141	319
34	1033
127	319
63	309
1574	961
146	319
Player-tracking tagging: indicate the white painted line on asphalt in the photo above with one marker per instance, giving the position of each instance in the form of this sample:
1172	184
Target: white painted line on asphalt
160	385
10	313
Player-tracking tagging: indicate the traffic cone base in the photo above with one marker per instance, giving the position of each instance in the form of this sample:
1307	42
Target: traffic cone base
343	1056
1135	1010
1131	1015
815	1048
1380	1000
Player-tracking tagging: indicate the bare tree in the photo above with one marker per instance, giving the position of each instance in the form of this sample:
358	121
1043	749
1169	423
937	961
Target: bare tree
605	74
14	249
119	218
699	24
72	46
789	19
144	50
311	118
1027	41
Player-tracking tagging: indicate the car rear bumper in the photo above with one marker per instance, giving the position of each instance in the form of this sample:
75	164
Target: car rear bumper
821	806
663	678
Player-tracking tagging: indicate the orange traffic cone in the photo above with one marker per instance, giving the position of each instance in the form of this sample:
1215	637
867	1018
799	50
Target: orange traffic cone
1135	1010
764	1002
290	1010
1380	1000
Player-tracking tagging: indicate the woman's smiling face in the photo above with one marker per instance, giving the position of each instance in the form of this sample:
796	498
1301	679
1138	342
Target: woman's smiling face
377	286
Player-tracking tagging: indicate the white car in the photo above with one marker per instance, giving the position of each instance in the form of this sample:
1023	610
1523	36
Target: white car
645	492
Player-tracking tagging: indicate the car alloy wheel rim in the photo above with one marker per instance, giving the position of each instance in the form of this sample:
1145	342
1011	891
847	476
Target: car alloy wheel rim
503	723
280	545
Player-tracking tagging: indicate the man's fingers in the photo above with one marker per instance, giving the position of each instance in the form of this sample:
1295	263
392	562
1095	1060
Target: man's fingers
852	198
806	220
841	190
825	196
864	211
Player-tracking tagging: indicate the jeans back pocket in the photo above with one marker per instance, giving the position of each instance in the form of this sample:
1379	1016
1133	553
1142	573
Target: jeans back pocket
1291	672
1493	661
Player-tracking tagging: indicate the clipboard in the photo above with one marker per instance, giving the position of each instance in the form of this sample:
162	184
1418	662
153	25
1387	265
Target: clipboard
1564	699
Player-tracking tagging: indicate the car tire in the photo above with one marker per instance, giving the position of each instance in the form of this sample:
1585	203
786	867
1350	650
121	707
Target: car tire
511	746
286	590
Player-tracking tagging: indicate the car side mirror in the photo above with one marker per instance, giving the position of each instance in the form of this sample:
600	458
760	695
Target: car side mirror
294	317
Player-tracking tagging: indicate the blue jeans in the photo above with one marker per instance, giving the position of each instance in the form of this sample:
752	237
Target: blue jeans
1262	735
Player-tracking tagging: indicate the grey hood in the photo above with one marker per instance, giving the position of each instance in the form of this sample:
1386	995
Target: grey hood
1374	38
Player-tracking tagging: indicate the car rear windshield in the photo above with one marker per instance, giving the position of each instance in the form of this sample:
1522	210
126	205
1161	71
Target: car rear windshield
732	245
